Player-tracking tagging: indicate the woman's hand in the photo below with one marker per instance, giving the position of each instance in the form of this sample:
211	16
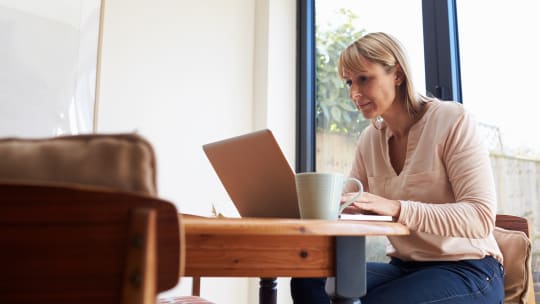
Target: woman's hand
369	203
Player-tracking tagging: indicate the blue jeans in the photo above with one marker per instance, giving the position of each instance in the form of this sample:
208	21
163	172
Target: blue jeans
448	282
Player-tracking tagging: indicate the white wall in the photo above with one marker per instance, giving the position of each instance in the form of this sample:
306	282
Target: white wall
184	73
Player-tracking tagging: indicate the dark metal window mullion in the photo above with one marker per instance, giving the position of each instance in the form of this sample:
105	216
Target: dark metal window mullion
441	49
306	85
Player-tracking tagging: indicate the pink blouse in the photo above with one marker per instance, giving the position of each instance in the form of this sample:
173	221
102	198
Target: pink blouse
445	188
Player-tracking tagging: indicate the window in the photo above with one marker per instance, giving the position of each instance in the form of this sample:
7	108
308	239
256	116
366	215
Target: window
339	23
498	80
337	122
492	70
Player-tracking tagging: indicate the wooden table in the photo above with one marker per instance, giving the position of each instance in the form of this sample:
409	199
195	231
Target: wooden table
270	248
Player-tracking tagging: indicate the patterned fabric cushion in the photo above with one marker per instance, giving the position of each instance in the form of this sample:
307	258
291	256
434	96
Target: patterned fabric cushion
184	300
117	161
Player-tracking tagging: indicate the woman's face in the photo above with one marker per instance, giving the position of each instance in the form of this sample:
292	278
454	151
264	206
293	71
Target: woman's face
372	90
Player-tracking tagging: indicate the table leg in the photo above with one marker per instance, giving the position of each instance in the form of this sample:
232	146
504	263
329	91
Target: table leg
350	281
268	291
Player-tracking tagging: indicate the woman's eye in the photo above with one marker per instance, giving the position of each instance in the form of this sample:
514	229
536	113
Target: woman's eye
359	80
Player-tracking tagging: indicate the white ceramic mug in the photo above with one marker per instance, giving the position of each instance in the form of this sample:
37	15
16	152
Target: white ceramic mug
319	194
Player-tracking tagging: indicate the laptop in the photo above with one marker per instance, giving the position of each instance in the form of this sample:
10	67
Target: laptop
258	177
255	174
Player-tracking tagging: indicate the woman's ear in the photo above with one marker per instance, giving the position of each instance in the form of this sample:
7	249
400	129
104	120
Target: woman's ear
398	75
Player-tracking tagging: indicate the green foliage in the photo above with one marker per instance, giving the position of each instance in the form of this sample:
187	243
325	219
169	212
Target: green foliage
335	111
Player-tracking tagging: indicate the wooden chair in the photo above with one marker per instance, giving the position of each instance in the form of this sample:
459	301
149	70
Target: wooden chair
513	237
69	245
102	162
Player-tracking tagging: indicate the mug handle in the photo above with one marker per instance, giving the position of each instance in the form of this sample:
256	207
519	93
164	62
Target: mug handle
350	201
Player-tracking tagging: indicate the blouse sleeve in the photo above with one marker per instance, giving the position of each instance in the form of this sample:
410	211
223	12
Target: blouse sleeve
469	171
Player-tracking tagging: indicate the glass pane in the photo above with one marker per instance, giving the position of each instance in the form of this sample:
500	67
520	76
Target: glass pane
499	80
339	23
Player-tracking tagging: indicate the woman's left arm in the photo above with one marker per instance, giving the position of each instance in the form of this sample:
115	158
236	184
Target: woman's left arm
469	172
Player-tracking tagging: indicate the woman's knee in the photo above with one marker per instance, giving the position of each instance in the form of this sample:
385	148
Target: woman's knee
380	273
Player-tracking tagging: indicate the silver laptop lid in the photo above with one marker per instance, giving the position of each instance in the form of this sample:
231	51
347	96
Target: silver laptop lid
256	175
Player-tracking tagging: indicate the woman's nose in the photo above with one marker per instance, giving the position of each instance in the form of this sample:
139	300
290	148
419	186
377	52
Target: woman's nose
354	94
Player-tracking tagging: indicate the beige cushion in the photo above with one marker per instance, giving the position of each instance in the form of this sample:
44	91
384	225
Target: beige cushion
516	249
117	161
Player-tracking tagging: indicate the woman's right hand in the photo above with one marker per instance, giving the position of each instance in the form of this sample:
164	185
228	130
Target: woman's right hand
369	203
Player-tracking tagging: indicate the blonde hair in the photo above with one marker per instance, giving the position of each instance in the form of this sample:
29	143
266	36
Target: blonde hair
386	50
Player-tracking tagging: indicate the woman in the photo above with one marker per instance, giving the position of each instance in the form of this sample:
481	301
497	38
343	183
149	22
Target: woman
422	162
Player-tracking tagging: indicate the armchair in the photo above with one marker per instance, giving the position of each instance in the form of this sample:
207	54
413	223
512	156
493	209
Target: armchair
118	163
